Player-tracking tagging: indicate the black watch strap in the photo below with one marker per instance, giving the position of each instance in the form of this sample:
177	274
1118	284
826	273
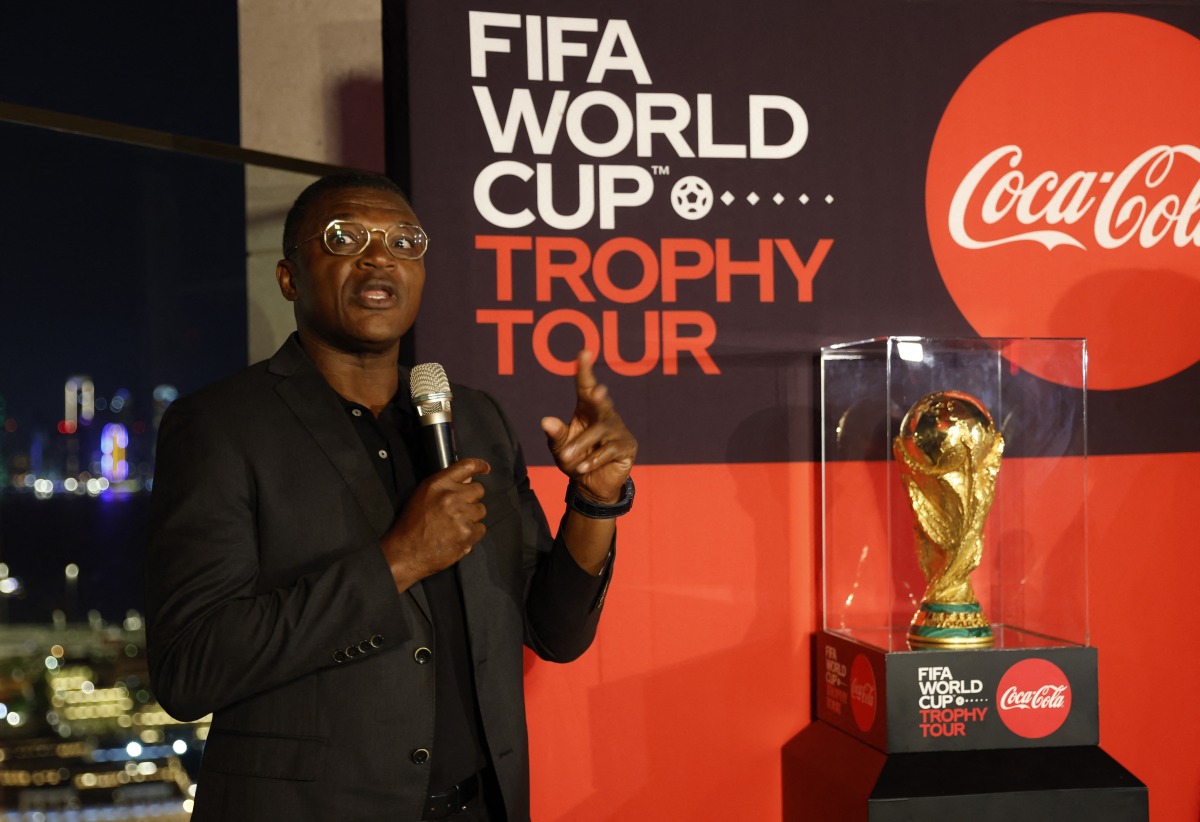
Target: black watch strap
595	510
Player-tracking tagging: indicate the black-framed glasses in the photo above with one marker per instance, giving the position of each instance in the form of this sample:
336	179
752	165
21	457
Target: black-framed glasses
348	239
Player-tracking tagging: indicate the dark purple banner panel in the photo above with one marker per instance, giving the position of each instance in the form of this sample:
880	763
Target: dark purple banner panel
705	195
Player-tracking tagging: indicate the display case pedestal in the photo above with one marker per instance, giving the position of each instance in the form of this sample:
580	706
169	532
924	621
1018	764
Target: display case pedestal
928	700
829	775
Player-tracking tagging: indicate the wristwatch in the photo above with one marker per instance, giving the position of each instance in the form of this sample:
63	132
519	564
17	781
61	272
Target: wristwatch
596	510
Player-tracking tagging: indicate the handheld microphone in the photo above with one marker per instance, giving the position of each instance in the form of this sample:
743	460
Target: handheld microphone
430	390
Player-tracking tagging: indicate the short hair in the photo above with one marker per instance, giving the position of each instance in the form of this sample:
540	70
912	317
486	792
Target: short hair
337	181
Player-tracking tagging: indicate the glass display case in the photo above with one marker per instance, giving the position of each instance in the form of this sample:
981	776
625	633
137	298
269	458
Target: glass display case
1030	582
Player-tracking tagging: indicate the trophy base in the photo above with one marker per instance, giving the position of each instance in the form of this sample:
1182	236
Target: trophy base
950	625
902	700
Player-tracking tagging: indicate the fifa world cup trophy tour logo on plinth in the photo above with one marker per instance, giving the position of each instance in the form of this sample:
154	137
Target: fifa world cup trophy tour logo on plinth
948	451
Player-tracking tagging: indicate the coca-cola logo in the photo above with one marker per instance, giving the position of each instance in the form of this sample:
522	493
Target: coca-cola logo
1115	217
1047	696
1063	195
1034	698
862	693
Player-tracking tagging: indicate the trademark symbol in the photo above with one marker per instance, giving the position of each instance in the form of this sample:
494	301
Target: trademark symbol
660	171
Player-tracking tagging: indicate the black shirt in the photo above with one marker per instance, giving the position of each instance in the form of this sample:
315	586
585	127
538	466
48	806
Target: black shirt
394	446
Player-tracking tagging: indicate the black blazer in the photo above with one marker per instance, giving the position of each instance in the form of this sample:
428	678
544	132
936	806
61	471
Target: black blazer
270	604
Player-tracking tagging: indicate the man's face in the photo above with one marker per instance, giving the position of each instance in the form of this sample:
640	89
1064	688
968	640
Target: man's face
356	304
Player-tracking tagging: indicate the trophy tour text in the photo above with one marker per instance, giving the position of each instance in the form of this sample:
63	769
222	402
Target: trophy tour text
945	702
573	276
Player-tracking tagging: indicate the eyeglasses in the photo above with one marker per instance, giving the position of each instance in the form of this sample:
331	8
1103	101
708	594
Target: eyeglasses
403	241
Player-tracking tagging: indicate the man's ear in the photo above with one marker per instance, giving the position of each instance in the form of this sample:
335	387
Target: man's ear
285	275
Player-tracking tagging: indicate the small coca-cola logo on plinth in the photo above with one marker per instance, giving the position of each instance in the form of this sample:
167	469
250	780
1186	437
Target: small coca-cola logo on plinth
1034	698
862	693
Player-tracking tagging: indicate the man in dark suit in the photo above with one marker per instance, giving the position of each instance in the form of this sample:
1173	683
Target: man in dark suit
353	617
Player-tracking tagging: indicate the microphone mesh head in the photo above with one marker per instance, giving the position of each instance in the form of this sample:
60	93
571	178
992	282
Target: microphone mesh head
430	388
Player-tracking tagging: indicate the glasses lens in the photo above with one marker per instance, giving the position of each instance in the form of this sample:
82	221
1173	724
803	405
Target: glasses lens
408	242
346	238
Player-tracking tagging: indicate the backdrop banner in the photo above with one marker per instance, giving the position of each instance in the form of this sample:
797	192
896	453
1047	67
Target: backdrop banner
706	193
706	198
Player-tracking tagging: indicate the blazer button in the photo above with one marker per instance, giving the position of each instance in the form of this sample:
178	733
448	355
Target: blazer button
352	651
422	655
339	655
420	756
364	646
377	641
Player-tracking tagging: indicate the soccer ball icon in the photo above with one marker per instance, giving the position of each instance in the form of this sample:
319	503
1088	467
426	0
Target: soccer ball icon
692	197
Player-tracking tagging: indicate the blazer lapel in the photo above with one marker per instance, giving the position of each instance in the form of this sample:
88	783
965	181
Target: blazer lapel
315	404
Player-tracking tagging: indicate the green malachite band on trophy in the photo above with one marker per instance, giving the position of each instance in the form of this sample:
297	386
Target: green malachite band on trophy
933	633
951	607
929	629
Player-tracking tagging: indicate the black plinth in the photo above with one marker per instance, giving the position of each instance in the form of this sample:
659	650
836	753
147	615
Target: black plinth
828	775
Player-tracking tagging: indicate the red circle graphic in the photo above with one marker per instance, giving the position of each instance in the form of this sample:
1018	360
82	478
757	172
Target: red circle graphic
1033	698
1063	194
863	693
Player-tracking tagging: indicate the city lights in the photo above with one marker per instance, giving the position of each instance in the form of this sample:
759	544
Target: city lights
76	713
99	447
114	439
79	703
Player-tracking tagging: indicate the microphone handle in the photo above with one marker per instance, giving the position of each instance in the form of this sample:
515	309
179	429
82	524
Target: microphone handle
439	444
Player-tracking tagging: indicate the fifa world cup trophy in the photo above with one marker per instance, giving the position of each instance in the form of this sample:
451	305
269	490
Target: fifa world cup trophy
948	451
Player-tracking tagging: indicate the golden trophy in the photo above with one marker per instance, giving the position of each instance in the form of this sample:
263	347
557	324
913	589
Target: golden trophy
949	455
